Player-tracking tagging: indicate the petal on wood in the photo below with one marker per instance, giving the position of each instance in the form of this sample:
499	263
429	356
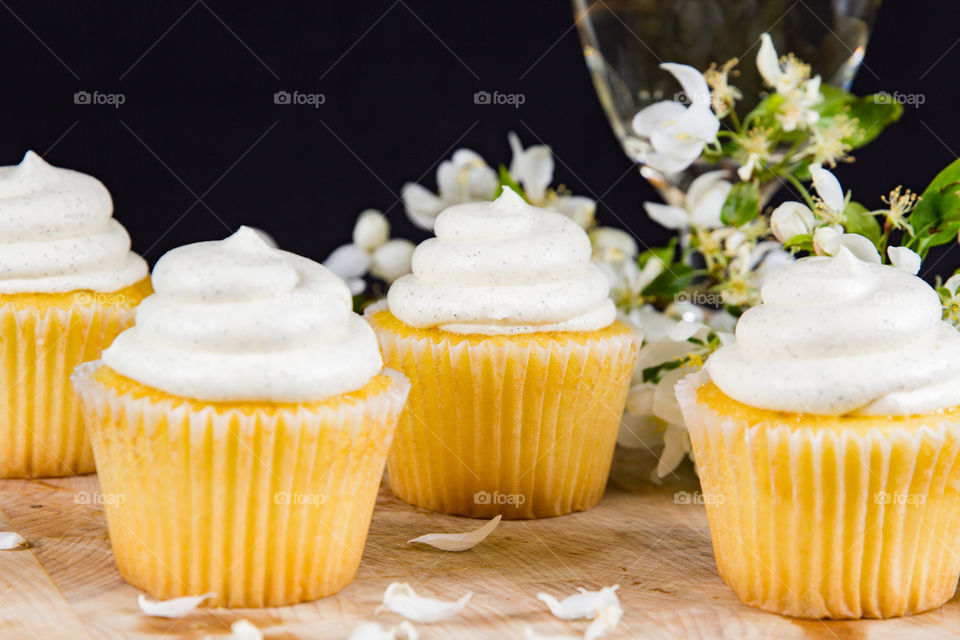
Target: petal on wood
458	541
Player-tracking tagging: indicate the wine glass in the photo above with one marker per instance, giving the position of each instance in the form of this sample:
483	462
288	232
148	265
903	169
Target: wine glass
624	42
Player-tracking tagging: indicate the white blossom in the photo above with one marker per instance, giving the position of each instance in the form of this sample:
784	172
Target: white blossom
611	244
790	78
673	135
702	204
466	177
350	262
905	259
533	169
829	240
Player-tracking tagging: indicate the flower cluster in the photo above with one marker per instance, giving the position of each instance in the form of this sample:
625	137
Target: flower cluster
371	252
727	242
685	297
465	177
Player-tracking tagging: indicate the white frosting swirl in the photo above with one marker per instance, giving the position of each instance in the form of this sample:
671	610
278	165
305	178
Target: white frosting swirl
838	335
237	320
503	267
57	233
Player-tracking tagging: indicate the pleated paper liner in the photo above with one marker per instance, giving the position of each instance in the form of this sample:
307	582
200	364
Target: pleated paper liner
521	426
263	505
830	523
43	337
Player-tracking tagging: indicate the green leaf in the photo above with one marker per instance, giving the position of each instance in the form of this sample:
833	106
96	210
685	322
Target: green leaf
674	279
833	99
764	114
653	374
862	221
872	118
802	242
742	205
361	301
935	217
506	180
665	254
947	232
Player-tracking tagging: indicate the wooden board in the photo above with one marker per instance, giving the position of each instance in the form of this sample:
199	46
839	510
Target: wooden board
67	586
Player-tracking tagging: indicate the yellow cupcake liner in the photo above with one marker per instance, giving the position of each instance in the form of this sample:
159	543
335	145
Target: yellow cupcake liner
40	345
262	506
518	426
830	523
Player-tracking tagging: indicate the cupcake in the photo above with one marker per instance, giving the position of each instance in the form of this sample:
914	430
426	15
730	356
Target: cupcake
827	440
518	369
240	428
68	285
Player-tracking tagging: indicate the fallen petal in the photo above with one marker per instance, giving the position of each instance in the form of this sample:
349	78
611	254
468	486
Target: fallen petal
401	598
606	621
458	541
175	608
245	630
582	606
11	540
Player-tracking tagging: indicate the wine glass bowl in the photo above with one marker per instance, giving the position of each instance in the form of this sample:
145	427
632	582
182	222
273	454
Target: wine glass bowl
625	41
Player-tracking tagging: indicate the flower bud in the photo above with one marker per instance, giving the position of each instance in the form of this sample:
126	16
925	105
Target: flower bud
348	261
392	259
791	219
371	230
826	240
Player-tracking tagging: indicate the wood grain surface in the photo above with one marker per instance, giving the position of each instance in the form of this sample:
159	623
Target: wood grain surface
656	547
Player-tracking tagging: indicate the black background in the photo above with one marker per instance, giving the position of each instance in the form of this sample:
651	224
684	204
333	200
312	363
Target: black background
199	147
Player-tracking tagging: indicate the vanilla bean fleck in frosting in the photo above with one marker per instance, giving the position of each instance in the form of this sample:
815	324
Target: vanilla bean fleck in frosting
57	233
839	335
237	320
503	267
